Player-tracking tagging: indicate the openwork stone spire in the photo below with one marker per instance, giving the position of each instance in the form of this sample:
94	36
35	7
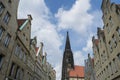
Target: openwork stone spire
68	61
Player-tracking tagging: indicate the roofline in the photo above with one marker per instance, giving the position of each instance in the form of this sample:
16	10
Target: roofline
24	24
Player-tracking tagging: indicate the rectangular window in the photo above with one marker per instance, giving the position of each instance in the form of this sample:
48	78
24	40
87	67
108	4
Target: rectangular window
114	40
12	70
1	60
1	8
7	40
22	74
17	75
9	1
110	46
111	21
110	69
6	18
1	32
118	31
21	54
119	56
24	57
117	10
115	66
17	49
108	28
107	71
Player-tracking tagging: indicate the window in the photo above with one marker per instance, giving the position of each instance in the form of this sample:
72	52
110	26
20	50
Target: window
115	66
7	40
118	31
12	69
21	74
21	54
17	49
105	56
24	57
111	21
110	46
110	69
1	60
117	10
1	32
9	1
6	18
1	8
114	40
17	75
119	56
107	71
108	28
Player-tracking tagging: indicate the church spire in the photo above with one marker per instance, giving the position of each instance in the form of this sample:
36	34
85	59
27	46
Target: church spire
67	46
68	61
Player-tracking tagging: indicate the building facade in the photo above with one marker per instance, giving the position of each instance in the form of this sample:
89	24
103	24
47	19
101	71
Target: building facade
106	47
8	28
19	57
89	69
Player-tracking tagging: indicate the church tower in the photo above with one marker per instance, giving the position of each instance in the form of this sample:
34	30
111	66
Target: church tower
68	61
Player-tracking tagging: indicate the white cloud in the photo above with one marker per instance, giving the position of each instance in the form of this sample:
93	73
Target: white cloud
88	47
58	69
79	58
35	8
77	18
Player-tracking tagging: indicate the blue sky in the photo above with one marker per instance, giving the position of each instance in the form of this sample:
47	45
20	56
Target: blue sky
54	5
51	20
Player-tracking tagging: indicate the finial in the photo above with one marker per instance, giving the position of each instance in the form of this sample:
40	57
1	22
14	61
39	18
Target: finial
67	46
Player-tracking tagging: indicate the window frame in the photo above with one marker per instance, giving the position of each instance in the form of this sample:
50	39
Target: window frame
110	47
2	30
118	31
1	60
114	41
7	40
12	69
111	21
17	49
2	7
21	54
6	18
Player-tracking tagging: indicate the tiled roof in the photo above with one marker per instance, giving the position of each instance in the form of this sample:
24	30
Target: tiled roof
37	49
77	72
93	62
21	21
96	41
